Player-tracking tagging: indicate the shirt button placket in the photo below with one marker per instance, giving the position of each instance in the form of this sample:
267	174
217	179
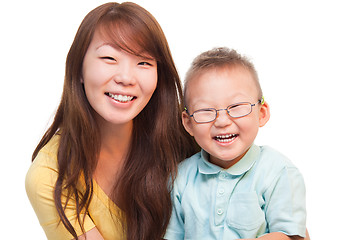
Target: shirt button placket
222	175
221	192
221	202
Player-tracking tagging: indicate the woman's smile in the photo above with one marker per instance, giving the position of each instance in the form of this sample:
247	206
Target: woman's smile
120	97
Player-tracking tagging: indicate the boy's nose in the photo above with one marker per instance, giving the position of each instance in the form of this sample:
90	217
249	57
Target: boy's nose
223	118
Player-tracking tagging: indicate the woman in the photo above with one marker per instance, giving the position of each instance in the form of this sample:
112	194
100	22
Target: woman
102	170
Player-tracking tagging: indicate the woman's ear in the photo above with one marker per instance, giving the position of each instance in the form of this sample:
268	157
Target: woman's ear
264	114
186	121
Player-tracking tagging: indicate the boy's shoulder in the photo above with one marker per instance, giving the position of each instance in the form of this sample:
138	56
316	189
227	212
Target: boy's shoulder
188	168
271	164
271	156
270	167
190	163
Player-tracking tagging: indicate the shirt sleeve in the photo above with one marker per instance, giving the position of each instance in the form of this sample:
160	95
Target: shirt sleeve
175	229
285	203
39	183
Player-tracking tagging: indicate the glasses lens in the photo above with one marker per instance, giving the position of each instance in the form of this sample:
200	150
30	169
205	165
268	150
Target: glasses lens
204	115
239	110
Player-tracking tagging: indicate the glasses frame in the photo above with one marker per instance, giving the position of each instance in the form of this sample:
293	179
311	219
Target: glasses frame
225	109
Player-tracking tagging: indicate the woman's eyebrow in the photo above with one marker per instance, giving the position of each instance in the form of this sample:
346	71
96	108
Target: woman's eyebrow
146	56
108	44
142	54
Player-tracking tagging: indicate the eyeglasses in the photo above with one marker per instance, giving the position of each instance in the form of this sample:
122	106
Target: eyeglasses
236	110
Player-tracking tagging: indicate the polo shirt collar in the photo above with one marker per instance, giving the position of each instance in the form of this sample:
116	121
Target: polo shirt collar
242	166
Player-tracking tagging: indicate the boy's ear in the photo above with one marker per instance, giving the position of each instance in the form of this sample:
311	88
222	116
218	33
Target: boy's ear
264	114
186	121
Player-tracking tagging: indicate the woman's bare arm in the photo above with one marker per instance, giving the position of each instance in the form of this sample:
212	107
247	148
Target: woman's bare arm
93	234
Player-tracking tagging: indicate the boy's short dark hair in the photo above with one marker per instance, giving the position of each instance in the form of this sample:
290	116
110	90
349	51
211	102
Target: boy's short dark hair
220	58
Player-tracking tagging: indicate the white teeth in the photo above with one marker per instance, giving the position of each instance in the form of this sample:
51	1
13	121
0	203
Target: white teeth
225	138
120	98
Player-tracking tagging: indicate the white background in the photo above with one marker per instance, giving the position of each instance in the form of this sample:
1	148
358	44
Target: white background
307	56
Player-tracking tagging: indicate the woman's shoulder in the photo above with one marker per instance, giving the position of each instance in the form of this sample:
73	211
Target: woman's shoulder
47	156
43	171
51	148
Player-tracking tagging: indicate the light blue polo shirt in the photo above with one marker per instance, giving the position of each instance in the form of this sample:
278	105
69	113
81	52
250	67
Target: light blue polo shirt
264	192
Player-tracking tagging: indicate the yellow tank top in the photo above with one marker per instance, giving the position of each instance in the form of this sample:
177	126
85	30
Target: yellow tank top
40	183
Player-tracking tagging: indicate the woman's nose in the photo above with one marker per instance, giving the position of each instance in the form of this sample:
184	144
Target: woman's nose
124	74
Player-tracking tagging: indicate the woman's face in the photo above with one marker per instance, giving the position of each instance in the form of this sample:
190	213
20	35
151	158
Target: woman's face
118	85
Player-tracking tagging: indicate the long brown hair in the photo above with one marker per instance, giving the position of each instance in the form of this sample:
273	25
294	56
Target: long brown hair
158	143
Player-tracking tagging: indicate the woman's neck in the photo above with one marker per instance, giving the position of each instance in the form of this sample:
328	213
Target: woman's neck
115	140
115	144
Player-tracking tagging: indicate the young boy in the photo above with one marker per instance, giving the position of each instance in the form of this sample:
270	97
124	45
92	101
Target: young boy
232	189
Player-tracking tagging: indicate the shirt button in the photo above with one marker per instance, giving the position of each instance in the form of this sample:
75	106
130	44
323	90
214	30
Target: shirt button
221	191
222	175
219	211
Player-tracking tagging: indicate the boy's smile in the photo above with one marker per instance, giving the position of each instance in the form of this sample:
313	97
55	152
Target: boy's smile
226	139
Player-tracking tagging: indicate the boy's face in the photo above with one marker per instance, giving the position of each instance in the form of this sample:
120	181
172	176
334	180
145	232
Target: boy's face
219	88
